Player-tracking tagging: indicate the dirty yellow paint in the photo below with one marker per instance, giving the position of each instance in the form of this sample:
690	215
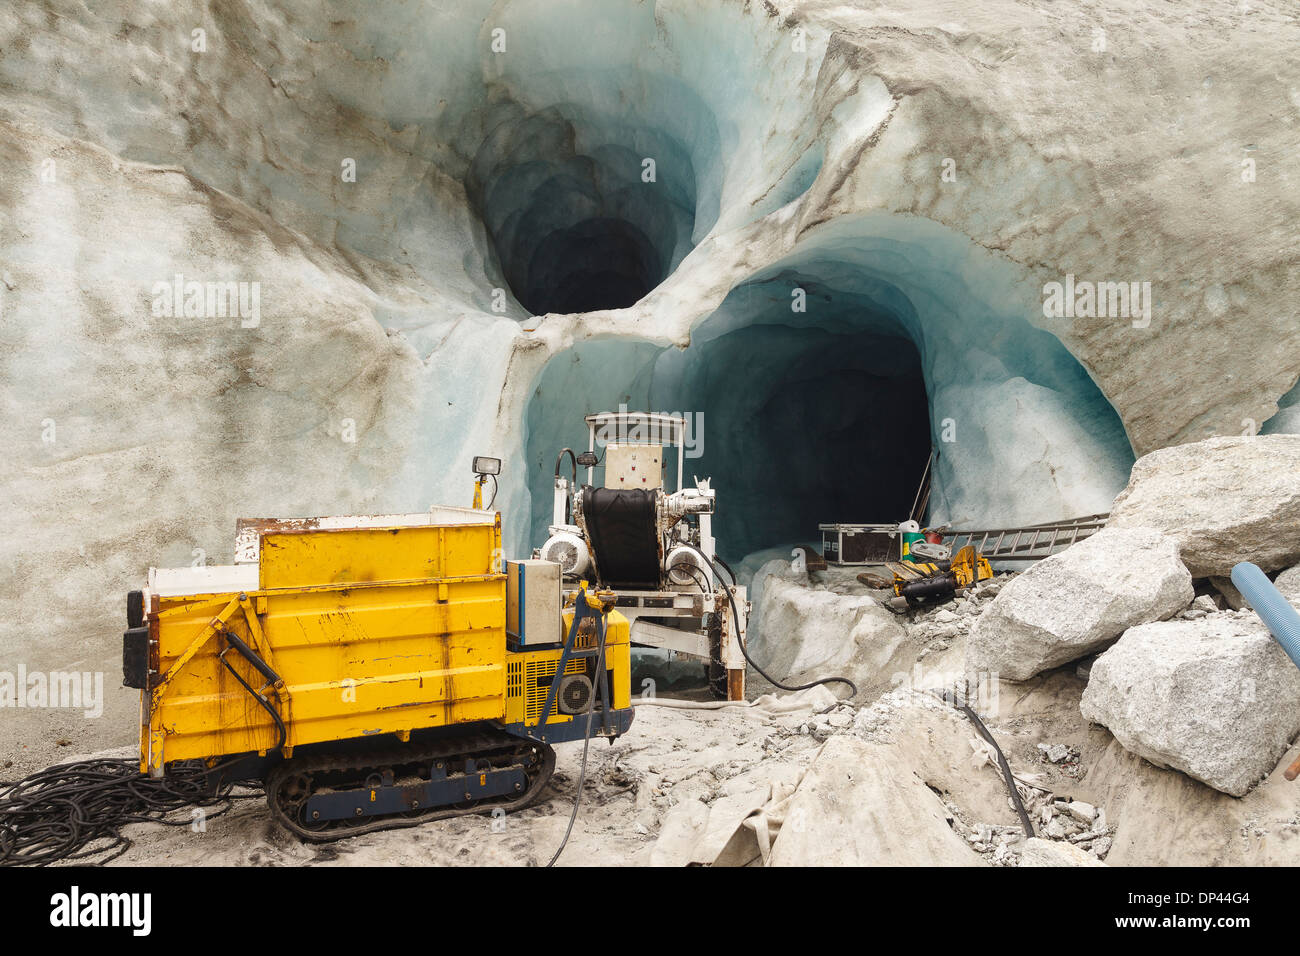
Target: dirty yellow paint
382	630
372	631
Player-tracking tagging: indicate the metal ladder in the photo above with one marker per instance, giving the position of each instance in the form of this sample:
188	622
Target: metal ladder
1029	543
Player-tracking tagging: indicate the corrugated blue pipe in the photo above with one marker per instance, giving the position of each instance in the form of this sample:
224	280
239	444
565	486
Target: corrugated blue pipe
1273	609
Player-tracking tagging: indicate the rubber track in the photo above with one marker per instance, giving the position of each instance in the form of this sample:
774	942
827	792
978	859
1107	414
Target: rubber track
481	745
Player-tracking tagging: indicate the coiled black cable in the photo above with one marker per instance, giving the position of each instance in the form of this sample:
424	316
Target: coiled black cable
62	812
75	811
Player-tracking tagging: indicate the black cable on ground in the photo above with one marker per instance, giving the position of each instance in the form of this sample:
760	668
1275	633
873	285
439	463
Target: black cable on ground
60	812
75	811
586	746
735	617
1002	761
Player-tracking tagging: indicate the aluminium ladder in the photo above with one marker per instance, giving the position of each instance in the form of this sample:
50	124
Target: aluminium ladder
1028	543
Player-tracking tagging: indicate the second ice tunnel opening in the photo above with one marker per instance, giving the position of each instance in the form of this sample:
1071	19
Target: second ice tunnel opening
587	210
797	421
795	426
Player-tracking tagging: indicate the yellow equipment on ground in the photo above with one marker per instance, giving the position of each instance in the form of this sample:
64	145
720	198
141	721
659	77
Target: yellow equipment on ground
361	667
927	583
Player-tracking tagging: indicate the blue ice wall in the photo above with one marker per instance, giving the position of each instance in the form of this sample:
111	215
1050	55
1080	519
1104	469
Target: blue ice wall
1287	419
825	380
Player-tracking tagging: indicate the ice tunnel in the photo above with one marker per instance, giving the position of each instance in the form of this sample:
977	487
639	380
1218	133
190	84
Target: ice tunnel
589	211
819	388
611	139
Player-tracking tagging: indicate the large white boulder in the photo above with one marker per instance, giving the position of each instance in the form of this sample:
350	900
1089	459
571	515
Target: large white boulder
780	567
1039	852
1216	698
799	628
1288	582
865	805
1225	499
1077	601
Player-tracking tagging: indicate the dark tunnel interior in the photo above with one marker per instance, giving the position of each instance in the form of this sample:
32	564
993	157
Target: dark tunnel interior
834	427
583	216
796	426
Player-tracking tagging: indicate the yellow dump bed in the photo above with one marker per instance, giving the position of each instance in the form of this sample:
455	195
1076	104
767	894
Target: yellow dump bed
371	630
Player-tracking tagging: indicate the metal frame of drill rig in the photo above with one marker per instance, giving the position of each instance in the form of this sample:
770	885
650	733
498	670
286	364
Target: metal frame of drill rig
654	548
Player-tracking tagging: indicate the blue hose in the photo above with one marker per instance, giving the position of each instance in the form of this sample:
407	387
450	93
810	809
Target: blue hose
1274	610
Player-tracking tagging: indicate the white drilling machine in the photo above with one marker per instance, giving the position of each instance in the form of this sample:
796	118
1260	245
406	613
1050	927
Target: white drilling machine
653	547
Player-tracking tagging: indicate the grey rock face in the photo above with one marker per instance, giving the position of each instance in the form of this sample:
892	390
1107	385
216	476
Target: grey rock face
1076	602
1216	698
1040	852
1288	582
1225	499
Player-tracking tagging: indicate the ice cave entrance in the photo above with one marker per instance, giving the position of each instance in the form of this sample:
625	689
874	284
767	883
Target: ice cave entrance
798	423
800	426
587	211
796	427
818	390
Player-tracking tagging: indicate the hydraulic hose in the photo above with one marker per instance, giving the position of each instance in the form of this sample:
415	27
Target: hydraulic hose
586	740
281	730
573	463
247	653
677	704
735	617
1007	775
573	482
1273	609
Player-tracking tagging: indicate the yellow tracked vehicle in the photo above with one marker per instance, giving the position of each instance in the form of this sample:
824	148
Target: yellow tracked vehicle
374	671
